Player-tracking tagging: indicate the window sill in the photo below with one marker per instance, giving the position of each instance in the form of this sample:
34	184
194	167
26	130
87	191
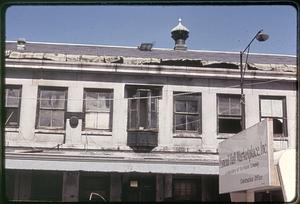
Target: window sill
96	133
50	131
142	130
225	135
11	129
187	135
278	138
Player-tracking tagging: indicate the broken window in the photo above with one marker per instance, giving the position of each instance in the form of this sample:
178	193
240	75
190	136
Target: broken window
274	107
229	114
187	112
51	107
98	109
143	109
12	105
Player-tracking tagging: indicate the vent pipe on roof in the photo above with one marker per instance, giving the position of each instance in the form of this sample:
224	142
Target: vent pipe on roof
21	42
180	33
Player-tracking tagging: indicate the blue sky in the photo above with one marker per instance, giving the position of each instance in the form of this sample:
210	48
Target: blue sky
216	28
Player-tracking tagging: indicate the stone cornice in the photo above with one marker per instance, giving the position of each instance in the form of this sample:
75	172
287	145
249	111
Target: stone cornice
164	70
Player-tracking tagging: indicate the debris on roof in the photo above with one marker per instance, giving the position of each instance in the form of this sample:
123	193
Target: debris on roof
146	61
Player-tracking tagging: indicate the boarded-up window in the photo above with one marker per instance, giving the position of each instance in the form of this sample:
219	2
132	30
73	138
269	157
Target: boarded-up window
229	114
51	107
187	112
12	106
98	109
274	107
143	110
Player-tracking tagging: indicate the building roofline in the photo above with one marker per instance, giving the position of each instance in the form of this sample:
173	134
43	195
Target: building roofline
163	49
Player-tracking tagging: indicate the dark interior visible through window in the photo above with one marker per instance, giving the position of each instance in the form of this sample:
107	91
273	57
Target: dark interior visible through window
274	107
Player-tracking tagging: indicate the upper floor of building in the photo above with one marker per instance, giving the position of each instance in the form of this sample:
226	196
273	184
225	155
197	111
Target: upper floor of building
121	98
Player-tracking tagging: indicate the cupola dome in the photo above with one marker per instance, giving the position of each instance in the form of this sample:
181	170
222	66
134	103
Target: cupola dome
180	33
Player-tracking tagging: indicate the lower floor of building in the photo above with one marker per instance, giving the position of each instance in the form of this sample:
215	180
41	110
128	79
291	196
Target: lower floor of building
66	186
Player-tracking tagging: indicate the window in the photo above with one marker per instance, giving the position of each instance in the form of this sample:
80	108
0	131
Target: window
274	107
143	109
187	189
229	114
12	106
98	109
187	112
51	107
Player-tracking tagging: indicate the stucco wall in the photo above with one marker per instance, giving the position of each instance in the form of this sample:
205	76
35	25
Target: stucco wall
27	135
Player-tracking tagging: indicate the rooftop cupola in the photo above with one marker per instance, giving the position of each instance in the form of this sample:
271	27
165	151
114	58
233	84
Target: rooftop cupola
180	33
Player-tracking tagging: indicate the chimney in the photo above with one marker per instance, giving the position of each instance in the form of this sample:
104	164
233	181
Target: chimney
180	33
21	42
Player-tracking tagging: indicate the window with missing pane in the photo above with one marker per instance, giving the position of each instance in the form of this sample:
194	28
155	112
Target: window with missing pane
275	108
143	109
12	105
98	109
229	113
51	108
187	112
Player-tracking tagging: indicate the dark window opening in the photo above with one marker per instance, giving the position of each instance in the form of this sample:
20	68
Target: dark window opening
229	125
46	186
94	188
277	126
269	196
9	184
229	114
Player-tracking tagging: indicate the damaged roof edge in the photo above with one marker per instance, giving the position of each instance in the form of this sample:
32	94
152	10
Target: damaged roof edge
160	53
144	61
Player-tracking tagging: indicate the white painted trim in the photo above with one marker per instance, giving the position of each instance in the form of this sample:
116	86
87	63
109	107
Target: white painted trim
148	69
100	164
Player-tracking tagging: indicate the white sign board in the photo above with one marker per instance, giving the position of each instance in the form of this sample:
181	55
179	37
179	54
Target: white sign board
245	159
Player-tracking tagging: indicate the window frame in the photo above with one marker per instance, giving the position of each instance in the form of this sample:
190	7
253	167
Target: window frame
188	96
133	92
284	113
195	190
98	90
18	109
234	117
51	88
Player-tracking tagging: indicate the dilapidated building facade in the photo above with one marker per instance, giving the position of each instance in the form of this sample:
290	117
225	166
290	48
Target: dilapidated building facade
133	124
